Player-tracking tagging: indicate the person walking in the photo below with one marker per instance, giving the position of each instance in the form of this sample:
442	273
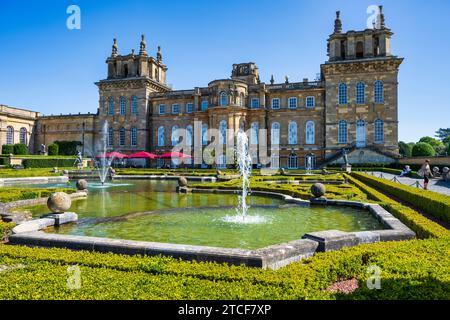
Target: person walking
425	171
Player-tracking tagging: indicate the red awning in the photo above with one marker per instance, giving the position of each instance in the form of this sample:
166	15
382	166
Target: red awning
170	155
115	155
142	155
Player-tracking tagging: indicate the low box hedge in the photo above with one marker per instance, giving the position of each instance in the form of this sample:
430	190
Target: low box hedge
38	273
48	162
421	225
15	194
432	203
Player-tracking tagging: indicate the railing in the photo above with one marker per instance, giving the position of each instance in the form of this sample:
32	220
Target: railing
395	179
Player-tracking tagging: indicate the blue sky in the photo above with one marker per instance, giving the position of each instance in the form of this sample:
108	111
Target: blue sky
49	68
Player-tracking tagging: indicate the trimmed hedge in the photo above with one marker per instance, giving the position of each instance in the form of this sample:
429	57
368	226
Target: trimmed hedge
68	148
48	163
5	229
39	273
431	202
20	149
7	149
53	149
15	194
302	191
423	227
20	173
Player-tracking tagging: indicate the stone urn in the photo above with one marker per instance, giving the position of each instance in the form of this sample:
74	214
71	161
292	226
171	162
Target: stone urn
59	202
318	190
82	185
182	182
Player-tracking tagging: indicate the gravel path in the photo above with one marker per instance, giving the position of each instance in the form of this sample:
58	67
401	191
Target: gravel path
436	185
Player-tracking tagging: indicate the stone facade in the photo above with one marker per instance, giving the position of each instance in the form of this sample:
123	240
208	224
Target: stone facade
138	110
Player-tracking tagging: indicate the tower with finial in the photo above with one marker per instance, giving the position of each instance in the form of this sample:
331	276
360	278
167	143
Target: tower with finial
159	54
143	46
115	48
338	23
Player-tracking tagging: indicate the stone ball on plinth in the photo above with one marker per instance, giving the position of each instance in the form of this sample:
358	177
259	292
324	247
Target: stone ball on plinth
318	190
446	170
82	184
182	182
59	202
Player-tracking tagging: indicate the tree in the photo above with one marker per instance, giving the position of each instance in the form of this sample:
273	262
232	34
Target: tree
438	146
405	149
423	149
443	133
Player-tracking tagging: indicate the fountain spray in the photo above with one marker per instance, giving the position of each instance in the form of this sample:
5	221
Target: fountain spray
244	162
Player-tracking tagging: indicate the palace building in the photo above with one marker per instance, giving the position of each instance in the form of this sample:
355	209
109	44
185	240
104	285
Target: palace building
353	105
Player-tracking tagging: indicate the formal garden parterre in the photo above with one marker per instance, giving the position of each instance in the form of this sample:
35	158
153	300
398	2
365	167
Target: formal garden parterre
41	273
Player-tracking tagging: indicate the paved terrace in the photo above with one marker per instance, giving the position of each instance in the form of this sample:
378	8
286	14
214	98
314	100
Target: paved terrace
436	185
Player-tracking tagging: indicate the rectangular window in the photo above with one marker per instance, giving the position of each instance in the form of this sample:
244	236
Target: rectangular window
134	137
162	109
175	108
310	102
204	105
292	102
275	103
255	103
189	107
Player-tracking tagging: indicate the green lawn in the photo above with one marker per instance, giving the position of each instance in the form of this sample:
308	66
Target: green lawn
34	172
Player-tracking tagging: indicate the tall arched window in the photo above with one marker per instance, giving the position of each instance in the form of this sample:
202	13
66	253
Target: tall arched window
161	137
254	127
175	135
379	92
134	105
204	134
275	134
292	134
122	137
223	99
360	133
189	134
379	131
110	137
310	133
343	96
123	105
242	100
223	132
111	106
359	50
342	134
9	135
23	136
134	136
360	93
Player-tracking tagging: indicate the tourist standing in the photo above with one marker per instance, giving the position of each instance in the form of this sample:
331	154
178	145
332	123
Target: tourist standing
425	171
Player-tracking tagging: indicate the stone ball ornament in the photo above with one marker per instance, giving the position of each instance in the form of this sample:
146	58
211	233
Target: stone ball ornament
82	184
59	202
446	170
436	170
318	190
182	182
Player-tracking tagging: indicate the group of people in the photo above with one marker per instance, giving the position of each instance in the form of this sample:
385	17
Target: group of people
425	172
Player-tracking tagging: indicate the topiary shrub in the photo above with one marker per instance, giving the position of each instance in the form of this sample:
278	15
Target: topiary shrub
7	149
53	149
423	149
20	149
